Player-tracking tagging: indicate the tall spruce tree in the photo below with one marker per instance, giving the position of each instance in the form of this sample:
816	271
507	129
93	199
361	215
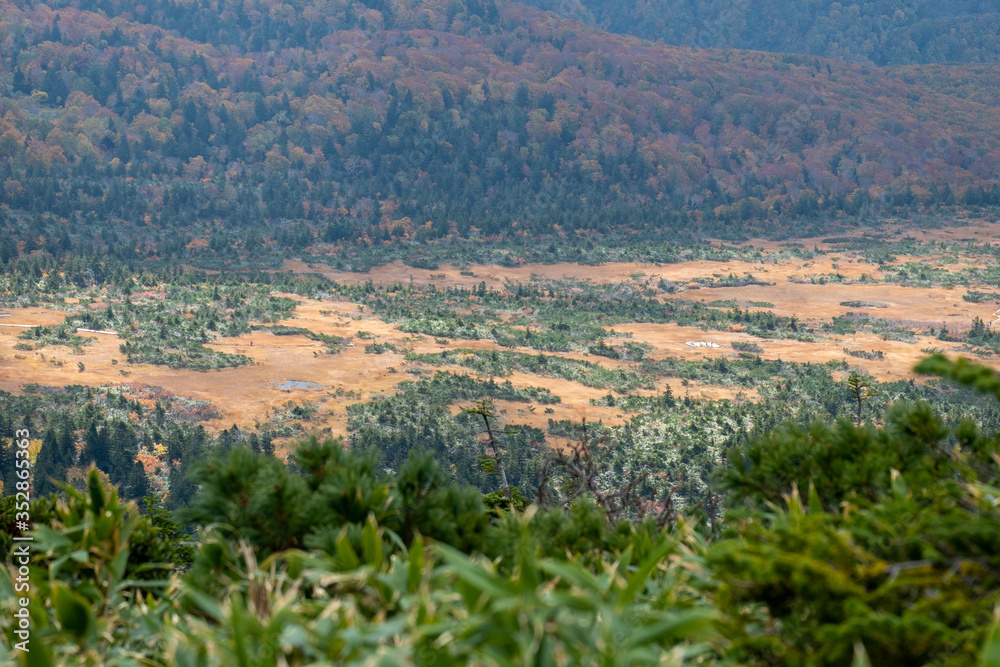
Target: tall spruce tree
55	457
136	485
96	449
124	446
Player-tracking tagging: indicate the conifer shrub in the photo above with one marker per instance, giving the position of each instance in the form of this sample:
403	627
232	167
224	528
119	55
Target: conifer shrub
328	490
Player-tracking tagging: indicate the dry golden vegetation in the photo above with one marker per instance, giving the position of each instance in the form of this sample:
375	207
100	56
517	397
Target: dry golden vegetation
249	394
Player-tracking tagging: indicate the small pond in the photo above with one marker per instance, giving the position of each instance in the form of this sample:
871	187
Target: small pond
299	384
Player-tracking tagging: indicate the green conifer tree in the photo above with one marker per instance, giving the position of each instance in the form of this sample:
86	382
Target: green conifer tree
96	449
54	459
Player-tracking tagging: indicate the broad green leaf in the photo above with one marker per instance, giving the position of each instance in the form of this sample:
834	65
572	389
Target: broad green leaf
204	602
49	540
990	655
899	488
472	573
371	543
415	567
572	573
73	612
239	621
345	552
118	565
40	655
6	584
815	504
678	625
184	655
57	564
860	656
97	499
624	562
637	581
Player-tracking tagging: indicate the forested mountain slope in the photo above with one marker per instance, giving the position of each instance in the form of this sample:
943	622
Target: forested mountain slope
199	125
880	32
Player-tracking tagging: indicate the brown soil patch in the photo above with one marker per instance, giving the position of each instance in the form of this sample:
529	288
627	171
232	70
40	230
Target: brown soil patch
921	306
980	231
242	395
32	316
248	394
900	358
496	276
848	264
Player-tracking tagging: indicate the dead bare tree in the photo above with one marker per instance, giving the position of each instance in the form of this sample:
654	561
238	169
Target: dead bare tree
484	408
580	467
668	515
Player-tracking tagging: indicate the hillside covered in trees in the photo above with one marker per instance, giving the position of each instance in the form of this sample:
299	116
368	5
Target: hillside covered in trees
880	32
204	131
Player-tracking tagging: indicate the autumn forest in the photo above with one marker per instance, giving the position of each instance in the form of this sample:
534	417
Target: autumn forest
185	131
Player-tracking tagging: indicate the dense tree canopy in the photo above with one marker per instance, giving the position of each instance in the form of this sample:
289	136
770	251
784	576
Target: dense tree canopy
311	126
868	31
